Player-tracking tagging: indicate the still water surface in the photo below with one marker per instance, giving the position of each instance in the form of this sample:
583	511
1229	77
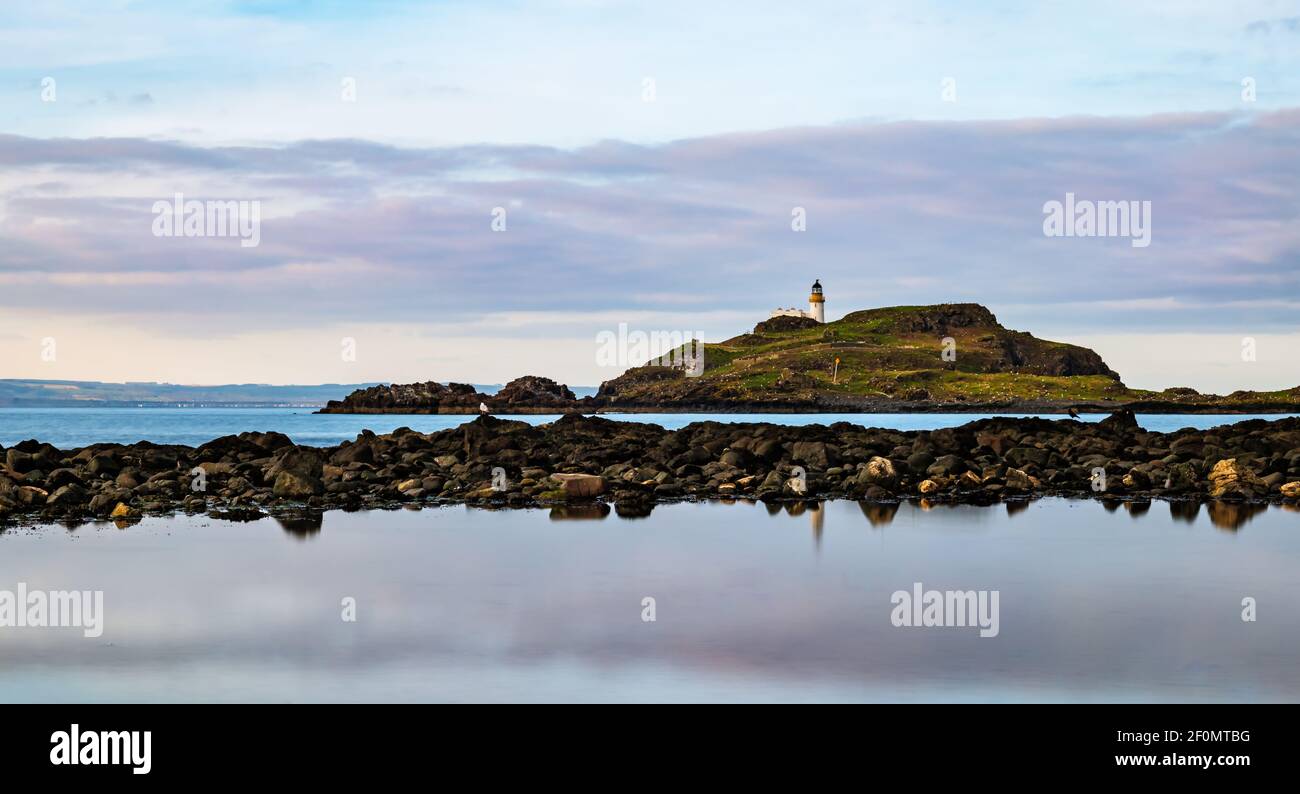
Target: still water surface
1132	602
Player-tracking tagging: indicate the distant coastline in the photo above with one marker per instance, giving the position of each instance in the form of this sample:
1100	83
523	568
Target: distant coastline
40	393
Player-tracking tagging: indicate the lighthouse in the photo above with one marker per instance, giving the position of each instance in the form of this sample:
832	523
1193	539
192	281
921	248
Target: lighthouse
816	306
817	303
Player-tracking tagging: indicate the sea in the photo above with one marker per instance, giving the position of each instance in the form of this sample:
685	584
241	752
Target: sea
1080	600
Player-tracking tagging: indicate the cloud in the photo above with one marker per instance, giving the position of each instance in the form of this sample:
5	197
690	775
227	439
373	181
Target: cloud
1267	26
897	213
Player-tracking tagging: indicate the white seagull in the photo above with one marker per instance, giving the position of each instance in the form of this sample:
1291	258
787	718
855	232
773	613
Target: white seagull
482	407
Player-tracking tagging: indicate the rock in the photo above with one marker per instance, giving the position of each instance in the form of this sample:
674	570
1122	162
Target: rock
1017	480
103	464
61	477
1122	420
738	458
359	451
21	462
1180	477
879	472
1137	479
31	495
211	468
947	466
1291	490
1229	478
67	496
772	482
994	441
101	503
815	454
291	485
533	392
123	511
580	486
296	473
918	462
128	478
409	485
769	449
1023	456
928	487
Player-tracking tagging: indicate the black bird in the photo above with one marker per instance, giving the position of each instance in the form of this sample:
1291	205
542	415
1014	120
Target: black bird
1074	414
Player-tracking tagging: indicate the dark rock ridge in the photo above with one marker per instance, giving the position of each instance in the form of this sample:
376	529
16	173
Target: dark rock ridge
582	460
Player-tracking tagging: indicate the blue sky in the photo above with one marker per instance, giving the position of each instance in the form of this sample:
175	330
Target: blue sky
649	156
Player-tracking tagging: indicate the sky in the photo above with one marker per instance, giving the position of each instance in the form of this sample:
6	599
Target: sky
475	191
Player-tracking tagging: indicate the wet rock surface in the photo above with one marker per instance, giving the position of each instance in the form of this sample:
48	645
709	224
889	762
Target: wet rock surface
580	460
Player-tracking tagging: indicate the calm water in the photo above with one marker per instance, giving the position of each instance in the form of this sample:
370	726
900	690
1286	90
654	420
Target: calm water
1129	603
75	427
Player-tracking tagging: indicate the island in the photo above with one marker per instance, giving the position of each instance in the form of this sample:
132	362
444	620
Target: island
949	358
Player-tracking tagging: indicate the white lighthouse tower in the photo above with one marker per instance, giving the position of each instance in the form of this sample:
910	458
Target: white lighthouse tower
817	303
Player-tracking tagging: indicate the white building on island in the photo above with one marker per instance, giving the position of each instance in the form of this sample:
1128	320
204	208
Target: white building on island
816	306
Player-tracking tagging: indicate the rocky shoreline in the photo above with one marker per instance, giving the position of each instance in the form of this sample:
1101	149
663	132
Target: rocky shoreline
591	463
532	395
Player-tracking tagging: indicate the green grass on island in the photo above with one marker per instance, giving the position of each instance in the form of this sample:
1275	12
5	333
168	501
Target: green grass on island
947	354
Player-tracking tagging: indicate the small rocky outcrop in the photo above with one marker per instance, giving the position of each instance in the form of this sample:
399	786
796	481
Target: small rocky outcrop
528	394
534	391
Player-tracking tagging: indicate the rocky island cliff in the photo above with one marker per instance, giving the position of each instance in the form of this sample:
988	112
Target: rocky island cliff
941	358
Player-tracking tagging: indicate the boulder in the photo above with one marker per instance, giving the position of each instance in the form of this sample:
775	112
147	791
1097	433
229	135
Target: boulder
291	485
1229	478
580	486
360	451
67	496
879	472
918	462
815	454
296	473
1180	477
1017	480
